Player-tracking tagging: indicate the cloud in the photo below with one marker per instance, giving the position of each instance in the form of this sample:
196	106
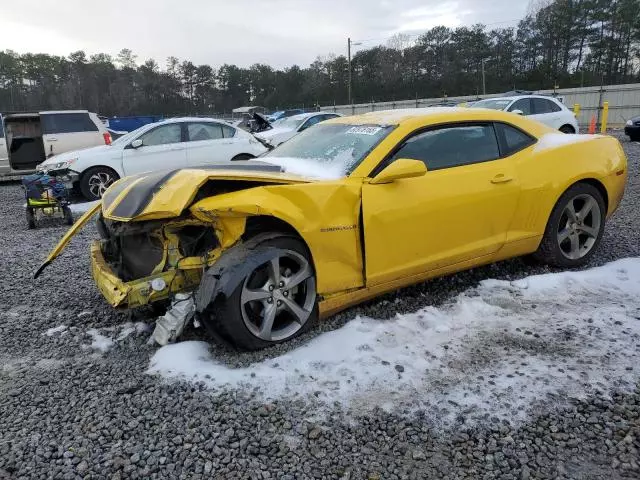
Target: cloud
243	32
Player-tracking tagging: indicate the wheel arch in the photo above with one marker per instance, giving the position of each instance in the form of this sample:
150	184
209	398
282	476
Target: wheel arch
108	167
567	125
243	156
259	224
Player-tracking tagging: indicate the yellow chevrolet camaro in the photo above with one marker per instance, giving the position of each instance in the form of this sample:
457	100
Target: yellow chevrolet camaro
349	209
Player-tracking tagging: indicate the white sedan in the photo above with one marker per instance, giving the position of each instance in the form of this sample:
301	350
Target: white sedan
544	109
170	144
288	127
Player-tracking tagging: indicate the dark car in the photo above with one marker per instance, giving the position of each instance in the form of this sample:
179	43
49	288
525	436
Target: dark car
632	129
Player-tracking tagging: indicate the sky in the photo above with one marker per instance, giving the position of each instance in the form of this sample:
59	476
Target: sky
241	32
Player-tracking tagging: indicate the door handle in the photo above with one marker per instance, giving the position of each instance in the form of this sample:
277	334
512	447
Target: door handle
501	178
52	139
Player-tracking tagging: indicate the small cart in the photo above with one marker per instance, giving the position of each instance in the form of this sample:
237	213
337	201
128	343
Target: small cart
46	197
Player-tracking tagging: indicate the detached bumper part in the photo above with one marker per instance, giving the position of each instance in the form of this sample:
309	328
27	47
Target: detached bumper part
170	325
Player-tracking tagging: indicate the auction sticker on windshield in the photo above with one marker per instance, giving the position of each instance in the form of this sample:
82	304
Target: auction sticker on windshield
363	130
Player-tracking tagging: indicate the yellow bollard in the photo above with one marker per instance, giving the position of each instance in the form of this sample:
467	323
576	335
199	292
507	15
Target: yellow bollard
576	109
605	116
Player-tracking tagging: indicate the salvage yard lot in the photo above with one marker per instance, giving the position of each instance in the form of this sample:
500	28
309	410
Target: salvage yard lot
505	371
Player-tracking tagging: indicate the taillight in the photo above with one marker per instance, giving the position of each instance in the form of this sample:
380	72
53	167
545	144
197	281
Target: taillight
107	138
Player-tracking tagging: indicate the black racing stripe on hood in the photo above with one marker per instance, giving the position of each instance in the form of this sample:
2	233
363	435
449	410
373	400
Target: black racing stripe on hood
137	199
243	165
115	190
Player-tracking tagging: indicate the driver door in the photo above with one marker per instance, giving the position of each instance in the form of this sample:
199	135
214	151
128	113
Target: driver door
163	147
459	210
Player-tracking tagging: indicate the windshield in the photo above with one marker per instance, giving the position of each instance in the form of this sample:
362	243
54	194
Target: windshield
492	103
290	122
123	140
327	150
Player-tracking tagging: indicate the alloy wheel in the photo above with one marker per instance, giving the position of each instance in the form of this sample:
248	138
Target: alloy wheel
579	226
278	297
99	182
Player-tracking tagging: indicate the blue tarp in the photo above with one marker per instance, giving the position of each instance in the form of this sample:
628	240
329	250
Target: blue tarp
129	124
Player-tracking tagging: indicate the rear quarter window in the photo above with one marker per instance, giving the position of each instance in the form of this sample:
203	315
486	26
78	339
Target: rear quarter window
512	139
67	123
228	132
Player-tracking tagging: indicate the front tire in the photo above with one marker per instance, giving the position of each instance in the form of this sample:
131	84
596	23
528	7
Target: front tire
68	215
274	303
31	218
95	181
574	229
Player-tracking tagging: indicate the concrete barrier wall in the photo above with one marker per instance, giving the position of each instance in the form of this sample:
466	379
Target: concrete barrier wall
624	103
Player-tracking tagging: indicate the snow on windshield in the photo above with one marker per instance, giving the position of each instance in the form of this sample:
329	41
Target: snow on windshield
327	151
316	167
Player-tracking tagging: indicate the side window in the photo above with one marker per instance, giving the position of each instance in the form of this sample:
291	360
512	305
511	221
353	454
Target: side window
228	132
542	105
1	128
163	135
67	123
311	122
204	131
451	146
511	139
524	104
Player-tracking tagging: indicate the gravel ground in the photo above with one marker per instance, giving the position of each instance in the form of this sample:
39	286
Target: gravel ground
75	401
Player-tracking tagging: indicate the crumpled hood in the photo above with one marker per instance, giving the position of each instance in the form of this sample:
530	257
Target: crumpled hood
63	157
166	194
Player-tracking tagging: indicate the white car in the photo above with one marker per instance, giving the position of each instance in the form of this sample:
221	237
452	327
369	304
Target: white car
544	109
27	139
288	127
170	144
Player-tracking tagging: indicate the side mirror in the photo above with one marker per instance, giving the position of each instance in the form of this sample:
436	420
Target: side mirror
401	168
137	143
517	112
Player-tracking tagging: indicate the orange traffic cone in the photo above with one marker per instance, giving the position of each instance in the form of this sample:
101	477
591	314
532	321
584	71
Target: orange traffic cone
592	125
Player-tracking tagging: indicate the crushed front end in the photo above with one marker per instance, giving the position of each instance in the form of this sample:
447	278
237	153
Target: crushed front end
138	263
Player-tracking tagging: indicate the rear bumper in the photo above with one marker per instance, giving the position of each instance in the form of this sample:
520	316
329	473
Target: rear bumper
632	130
137	292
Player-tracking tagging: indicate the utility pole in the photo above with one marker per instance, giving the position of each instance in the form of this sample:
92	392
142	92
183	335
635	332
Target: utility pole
484	85
349	43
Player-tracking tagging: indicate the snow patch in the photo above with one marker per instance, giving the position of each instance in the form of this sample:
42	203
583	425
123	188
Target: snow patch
52	331
83	207
313	168
129	328
554	140
496	350
100	342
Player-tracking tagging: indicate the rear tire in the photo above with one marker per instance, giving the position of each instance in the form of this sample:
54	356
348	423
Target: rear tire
574	229
95	181
255	315
634	138
567	129
68	216
242	156
31	218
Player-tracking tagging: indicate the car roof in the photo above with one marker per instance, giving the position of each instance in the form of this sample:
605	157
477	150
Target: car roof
302	116
431	115
63	111
518	97
191	119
